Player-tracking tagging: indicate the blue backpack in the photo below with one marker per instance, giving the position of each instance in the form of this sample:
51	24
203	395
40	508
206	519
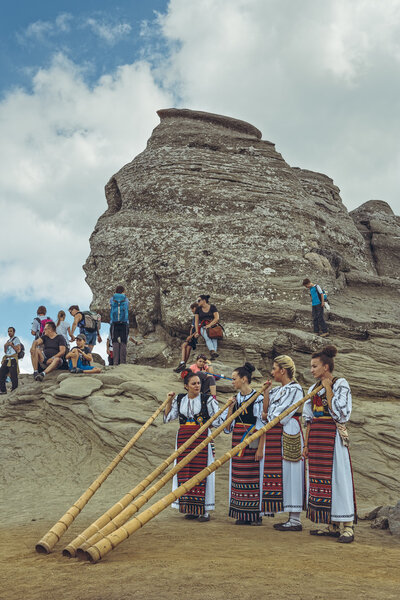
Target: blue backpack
119	309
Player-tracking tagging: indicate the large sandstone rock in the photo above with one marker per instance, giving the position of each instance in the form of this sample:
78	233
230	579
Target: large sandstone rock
210	207
381	230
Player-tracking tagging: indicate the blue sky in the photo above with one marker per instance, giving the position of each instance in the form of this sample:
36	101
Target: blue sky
81	83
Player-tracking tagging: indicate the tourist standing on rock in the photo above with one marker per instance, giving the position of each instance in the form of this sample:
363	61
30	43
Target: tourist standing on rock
119	324
317	307
190	343
80	357
246	469
87	325
9	363
39	322
48	351
283	486
206	316
193	409
331	497
63	327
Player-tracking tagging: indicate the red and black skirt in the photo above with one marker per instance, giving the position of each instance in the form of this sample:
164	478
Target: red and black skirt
193	502
245	480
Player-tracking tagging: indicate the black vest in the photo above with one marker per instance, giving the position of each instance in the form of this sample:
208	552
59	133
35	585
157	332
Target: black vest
246	417
201	417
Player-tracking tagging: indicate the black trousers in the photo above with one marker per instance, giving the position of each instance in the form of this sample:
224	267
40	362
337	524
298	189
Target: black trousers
12	370
318	319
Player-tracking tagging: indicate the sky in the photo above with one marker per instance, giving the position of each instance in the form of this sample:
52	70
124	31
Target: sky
81	83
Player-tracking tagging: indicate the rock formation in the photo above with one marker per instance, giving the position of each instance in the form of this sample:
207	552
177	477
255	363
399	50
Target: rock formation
210	207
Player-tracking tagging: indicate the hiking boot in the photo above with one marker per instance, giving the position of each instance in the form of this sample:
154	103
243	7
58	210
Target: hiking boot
324	334
39	377
213	355
180	367
1	393
72	370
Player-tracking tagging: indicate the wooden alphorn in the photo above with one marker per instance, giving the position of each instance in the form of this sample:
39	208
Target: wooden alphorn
100	549
81	540
47	543
121	518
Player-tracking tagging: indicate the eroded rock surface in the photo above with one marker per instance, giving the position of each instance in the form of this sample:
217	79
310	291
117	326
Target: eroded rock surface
210	207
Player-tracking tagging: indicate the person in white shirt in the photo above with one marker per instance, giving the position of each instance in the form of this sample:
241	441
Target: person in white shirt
9	364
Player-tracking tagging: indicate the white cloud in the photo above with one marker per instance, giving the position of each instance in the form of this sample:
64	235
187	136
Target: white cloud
110	33
320	79
40	30
60	144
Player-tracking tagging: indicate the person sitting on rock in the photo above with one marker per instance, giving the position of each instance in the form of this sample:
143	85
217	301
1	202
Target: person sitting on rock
9	364
190	343
201	364
80	357
317	306
79	321
206	316
48	351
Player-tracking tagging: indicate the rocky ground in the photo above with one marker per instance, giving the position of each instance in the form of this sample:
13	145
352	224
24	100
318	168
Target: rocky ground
58	436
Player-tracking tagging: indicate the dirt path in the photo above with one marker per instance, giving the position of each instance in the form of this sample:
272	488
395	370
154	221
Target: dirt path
176	559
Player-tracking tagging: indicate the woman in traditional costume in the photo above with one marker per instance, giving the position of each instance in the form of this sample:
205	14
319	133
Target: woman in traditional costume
246	468
331	497
193	409
283	482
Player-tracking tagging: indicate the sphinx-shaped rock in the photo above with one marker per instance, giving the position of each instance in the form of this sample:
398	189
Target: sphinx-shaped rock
211	206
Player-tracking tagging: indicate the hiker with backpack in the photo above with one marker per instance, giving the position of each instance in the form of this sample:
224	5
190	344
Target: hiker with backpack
13	350
89	324
48	351
39	322
119	324
318	302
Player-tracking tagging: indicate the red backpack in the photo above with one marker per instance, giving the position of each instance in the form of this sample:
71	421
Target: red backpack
43	323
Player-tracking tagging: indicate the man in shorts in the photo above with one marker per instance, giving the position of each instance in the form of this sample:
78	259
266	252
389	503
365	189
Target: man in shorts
47	352
79	322
80	357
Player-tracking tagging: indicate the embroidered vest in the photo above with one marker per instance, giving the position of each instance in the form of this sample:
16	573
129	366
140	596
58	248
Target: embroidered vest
201	417
247	415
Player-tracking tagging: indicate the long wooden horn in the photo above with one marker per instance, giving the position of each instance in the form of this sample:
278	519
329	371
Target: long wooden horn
111	513
114	523
99	550
47	543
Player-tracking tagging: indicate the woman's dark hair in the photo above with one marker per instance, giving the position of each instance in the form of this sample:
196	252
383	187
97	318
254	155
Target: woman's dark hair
41	310
203	356
187	375
73	307
326	356
245	371
194	305
119	289
204	297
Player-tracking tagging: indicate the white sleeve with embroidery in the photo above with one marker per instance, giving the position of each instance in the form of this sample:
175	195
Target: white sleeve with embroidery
341	401
282	399
212	407
173	413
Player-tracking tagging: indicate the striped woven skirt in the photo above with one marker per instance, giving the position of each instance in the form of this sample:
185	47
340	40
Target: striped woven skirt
321	445
245	480
272	495
193	502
